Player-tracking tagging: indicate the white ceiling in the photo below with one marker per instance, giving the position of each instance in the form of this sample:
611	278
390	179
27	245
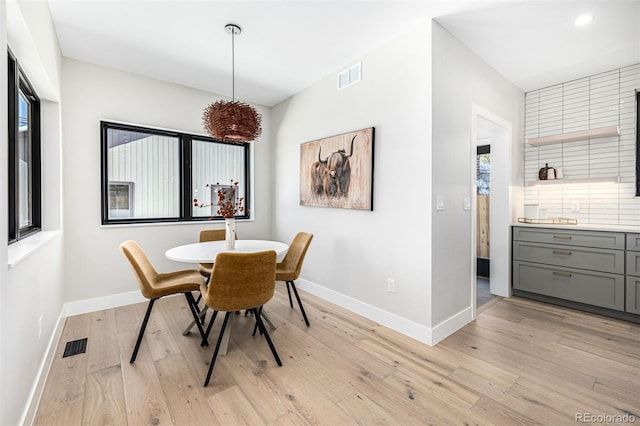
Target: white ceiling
286	46
535	44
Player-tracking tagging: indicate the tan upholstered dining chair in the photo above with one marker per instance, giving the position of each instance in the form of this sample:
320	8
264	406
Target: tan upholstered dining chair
205	268
154	285
289	269
240	281
209	235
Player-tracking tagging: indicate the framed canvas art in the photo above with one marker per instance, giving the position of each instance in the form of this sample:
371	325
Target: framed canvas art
338	171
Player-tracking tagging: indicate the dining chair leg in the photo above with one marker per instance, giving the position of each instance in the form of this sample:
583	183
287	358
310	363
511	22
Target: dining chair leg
215	352
202	315
255	327
289	293
205	339
195	304
194	311
141	333
263	330
201	311
295	291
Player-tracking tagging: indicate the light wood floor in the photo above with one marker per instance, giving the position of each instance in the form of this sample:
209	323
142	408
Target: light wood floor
521	362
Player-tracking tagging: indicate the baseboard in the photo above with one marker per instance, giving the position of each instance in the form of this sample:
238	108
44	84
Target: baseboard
388	319
101	303
451	325
28	416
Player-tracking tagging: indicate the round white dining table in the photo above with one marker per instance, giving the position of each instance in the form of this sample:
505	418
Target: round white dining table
206	252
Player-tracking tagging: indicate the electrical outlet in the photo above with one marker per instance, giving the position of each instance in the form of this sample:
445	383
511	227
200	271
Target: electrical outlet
575	206
391	285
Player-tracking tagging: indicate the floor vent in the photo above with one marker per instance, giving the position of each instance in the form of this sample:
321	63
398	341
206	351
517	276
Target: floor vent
75	347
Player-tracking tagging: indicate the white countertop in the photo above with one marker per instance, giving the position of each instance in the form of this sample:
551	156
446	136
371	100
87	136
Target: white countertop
584	227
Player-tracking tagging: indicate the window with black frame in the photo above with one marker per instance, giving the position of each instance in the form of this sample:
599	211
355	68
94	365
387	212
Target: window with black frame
24	168
154	175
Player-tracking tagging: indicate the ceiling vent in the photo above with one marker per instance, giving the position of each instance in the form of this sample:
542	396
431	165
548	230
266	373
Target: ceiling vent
349	76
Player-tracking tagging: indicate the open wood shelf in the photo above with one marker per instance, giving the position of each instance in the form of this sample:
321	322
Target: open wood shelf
600	132
614	179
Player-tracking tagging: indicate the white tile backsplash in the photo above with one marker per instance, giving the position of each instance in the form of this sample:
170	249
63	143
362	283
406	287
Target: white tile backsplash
600	100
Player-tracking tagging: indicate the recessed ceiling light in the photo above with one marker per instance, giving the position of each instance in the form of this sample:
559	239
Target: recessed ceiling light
582	20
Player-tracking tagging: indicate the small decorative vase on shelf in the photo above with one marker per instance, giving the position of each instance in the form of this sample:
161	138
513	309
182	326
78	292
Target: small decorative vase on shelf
546	172
230	233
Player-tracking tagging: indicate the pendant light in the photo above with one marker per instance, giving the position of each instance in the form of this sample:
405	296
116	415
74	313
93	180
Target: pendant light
233	120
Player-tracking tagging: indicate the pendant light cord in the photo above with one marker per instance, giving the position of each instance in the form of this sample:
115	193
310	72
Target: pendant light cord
233	65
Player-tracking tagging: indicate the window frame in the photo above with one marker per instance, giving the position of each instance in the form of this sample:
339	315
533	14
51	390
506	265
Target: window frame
637	143
18	82
185	141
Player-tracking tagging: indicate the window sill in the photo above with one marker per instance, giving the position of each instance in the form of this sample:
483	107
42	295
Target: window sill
183	223
19	251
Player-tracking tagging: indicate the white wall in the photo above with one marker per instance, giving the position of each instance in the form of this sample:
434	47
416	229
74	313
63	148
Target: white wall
92	93
31	32
461	79
354	252
32	288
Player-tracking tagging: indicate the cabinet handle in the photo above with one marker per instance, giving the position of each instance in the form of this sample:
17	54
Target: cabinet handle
568	253
562	274
562	237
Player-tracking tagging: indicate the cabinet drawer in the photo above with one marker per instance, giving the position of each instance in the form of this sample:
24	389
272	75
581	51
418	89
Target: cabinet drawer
633	263
570	256
592	288
633	242
633	295
608	240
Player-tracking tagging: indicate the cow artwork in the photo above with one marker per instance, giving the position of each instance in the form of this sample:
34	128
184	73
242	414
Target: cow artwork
344	177
332	175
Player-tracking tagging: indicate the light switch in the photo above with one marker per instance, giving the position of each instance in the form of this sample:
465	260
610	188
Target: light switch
467	203
440	202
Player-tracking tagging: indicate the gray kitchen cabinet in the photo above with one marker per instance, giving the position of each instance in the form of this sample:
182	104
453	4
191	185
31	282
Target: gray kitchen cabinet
633	274
633	242
599	239
595	259
583	286
586	268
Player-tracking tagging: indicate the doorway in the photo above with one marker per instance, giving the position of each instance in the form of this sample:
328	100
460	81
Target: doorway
483	225
489	129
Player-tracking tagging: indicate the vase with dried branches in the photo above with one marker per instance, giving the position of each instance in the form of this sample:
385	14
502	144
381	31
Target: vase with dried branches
229	204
